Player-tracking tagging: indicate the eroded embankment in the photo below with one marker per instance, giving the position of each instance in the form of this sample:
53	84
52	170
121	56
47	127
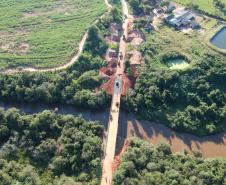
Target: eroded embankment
209	146
129	126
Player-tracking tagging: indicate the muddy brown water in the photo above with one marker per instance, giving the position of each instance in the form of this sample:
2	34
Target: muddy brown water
129	126
209	146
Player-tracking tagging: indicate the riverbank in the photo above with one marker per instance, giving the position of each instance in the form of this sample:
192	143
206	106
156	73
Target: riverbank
129	126
209	146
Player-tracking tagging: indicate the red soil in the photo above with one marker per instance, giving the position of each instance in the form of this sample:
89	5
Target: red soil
117	160
128	82
109	74
108	86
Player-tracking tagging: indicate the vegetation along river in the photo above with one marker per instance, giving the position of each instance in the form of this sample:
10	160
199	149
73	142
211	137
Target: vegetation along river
129	126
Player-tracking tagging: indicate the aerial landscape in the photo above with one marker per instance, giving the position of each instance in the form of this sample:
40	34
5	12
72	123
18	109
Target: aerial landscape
113	92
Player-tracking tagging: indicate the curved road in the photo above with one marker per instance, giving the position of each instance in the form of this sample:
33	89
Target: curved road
64	66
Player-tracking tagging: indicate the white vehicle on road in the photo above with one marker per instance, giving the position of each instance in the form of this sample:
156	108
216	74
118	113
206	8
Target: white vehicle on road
117	83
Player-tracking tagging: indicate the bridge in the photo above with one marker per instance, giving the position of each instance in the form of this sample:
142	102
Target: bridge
110	145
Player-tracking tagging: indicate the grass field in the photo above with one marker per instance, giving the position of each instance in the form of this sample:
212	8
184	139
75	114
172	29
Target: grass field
43	33
206	6
167	42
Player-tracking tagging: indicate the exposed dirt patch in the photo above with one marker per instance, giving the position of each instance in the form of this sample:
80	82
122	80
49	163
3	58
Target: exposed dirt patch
109	85
66	9
4	34
7	47
24	48
17	32
136	37
128	83
106	71
135	57
12	47
118	157
137	41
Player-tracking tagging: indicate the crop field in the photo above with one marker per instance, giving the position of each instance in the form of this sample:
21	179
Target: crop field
206	6
44	33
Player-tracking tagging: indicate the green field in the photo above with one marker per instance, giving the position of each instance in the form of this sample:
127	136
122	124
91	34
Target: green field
168	44
44	33
206	6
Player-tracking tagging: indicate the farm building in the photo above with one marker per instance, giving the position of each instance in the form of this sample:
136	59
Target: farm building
181	18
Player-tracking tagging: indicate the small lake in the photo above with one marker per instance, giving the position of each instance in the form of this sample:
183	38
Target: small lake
219	40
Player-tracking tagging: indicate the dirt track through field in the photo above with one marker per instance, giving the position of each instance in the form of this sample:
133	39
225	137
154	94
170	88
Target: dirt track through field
64	66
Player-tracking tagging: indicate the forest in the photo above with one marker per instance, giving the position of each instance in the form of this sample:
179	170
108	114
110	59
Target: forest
47	148
144	164
190	99
193	100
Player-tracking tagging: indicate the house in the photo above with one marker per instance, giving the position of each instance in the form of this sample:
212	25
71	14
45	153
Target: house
113	38
181	18
111	55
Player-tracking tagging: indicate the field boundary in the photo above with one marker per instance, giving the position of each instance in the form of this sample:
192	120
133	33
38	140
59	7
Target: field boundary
74	58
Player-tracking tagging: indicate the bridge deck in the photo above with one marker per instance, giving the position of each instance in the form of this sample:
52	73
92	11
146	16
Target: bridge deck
115	108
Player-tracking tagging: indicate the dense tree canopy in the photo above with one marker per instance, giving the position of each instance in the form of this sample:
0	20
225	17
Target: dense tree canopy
193	100
143	164
45	148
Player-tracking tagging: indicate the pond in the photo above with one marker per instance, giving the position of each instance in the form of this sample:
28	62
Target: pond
177	63
129	126
219	39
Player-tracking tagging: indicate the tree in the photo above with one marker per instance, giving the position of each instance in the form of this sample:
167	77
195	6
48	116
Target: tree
45	151
166	169
219	4
94	42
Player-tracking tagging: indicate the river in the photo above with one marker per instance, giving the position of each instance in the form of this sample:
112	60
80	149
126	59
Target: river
129	126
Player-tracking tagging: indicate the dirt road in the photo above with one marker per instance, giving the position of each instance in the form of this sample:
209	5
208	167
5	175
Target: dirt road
110	145
64	66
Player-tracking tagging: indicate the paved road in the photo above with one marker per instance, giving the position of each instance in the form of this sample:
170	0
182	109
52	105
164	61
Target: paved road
64	66
115	108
